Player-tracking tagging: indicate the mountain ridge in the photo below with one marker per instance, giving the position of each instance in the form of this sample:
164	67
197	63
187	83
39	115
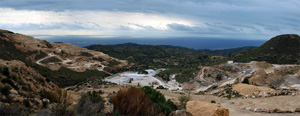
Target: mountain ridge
281	49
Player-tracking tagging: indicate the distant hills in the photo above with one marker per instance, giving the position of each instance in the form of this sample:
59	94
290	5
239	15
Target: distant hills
282	49
180	60
227	52
222	52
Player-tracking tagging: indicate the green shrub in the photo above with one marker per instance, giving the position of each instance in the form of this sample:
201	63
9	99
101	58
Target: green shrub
183	100
62	110
213	101
90	103
246	81
10	82
219	77
5	90
10	110
162	106
4	71
160	87
26	103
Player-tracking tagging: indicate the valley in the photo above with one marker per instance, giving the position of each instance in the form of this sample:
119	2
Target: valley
41	76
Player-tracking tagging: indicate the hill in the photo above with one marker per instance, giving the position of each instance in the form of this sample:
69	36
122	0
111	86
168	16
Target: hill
21	84
282	49
228	52
182	61
63	64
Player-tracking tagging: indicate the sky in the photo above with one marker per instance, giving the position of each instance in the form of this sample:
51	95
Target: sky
235	19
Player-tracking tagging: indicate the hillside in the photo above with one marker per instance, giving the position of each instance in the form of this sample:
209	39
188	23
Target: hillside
182	61
282	49
20	84
63	64
228	52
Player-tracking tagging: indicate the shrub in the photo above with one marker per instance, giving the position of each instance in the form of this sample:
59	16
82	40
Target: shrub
160	87
4	71
10	82
183	100
10	110
58	96
219	77
5	90
162	106
90	103
62	110
26	103
246	81
132	101
213	101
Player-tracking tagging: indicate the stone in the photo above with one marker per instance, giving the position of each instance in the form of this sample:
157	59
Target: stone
279	111
288	111
271	110
248	108
259	110
255	110
13	92
3	97
253	96
46	100
199	108
264	110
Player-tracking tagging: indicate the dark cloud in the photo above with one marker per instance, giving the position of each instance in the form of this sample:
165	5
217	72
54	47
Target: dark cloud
219	16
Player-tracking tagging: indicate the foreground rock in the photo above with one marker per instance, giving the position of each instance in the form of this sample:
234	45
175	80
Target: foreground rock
199	108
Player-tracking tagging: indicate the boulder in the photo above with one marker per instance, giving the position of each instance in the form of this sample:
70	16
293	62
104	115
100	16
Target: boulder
13	92
199	108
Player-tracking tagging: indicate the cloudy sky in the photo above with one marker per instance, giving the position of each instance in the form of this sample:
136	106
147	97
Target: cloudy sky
237	19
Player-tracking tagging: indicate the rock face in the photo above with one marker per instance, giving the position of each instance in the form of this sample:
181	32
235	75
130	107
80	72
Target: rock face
199	108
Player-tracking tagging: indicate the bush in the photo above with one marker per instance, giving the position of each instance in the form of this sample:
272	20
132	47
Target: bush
90	103
26	103
5	90
133	101
58	96
4	71
162	106
219	77
246	81
10	110
62	110
213	101
160	87
183	100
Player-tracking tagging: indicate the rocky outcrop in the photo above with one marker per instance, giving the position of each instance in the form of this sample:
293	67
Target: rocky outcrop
199	108
22	85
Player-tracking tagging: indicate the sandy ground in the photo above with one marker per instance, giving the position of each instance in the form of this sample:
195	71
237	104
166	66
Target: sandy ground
236	109
235	106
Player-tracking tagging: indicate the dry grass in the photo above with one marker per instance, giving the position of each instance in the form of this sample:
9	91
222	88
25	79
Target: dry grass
59	96
133	101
